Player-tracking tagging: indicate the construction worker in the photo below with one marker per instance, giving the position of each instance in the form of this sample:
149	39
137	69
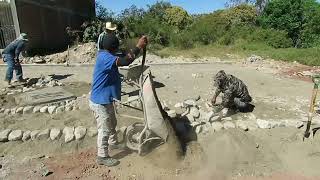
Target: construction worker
109	29
106	87
11	56
235	92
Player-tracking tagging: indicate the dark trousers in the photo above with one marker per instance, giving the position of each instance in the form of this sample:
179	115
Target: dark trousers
12	66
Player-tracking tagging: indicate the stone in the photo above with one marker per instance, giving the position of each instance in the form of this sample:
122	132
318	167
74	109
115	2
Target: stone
195	112
190	117
208	106
254	58
19	110
189	102
2	110
26	136
275	124
68	134
60	109
55	134
80	132
225	112
217	126
92	131
227	119
15	135
4	135
206	127
263	124
44	134
178	105
195	123
51	109
172	113
7	111
68	108
292	123
198	129
36	109
197	98
28	109
242	125
229	125
44	109
215	118
34	134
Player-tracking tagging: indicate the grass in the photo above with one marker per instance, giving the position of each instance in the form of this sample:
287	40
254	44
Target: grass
308	56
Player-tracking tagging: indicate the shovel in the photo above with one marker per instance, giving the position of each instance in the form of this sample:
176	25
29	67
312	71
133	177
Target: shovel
316	81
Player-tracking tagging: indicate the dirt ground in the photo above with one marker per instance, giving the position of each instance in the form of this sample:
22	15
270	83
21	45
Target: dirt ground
229	154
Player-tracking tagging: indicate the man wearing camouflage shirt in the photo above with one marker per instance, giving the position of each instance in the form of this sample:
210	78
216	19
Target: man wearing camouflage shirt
235	92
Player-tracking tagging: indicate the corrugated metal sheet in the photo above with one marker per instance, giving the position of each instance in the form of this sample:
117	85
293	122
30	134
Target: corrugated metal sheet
7	30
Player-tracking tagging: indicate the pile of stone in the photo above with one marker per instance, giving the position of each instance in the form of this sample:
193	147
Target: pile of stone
82	53
68	133
47	82
207	121
53	108
254	59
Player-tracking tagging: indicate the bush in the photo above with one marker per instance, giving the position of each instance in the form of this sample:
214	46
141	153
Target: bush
272	37
177	17
183	40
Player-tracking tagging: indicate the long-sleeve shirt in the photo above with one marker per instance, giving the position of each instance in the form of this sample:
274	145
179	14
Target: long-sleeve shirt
231	88
100	38
15	48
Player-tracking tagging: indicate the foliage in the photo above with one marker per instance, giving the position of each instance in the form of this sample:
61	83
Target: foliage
92	31
177	17
103	13
299	18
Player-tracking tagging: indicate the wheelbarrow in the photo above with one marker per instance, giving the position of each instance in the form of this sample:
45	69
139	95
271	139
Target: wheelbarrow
154	128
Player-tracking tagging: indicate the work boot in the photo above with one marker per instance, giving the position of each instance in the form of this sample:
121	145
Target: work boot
9	84
118	146
107	161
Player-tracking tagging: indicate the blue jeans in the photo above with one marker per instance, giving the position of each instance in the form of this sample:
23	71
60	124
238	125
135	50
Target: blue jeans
12	66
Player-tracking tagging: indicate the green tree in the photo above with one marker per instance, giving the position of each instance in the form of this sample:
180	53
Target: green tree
102	13
158	9
288	15
177	17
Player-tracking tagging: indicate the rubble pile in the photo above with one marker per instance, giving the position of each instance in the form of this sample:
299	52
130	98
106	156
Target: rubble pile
204	121
47	82
83	53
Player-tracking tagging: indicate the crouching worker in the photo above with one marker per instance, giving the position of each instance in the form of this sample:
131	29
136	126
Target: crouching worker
235	93
106	87
11	56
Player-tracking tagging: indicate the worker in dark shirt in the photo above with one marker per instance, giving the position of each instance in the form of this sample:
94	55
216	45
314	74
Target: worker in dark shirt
235	93
106	87
11	56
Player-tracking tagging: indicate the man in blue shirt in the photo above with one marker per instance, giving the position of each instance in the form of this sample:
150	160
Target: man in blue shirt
106	87
11	56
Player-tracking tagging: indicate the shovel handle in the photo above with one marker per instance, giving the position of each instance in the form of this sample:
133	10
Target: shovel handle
311	111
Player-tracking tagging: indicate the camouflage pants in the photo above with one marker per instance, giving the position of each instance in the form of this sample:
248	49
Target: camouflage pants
240	104
106	124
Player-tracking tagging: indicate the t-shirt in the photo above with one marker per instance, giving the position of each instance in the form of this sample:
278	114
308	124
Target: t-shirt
106	84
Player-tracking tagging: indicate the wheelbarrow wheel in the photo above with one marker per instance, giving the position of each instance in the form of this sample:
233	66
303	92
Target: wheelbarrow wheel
132	136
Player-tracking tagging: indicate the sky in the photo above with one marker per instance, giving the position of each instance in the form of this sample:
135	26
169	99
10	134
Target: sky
192	6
